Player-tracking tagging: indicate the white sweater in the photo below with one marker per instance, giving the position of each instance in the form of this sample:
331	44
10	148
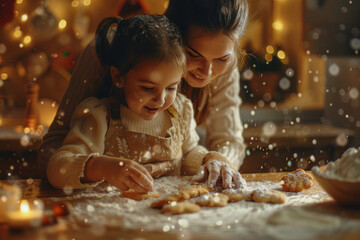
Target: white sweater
87	136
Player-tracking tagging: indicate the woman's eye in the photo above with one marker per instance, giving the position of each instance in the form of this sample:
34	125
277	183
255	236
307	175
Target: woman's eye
193	55
224	59
171	89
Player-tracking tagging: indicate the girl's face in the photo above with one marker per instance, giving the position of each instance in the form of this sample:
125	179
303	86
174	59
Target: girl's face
150	88
208	55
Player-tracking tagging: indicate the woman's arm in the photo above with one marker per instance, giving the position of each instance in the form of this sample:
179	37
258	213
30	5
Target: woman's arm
193	152
223	125
85	82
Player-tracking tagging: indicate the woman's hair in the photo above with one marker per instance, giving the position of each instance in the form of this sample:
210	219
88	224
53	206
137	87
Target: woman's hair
124	43
216	16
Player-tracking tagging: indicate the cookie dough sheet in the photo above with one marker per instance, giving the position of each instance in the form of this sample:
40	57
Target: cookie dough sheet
105	208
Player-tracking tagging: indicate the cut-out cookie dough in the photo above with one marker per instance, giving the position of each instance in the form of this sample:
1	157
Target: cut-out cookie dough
213	200
139	196
236	195
268	196
180	207
296	181
181	195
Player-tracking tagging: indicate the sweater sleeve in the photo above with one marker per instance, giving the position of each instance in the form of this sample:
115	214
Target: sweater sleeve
223	124
85	82
85	138
193	152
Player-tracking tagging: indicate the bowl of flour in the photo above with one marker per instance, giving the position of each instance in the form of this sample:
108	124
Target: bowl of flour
341	179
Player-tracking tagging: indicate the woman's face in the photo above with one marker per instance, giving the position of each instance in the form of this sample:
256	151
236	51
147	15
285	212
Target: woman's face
150	88
208	56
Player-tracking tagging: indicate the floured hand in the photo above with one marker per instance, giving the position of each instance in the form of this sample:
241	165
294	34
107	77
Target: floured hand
217	168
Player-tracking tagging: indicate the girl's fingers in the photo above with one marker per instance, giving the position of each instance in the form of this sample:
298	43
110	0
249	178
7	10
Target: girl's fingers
144	171
214	173
227	176
141	180
134	185
121	186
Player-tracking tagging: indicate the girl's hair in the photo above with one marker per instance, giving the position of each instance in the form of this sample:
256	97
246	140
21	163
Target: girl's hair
135	39
217	16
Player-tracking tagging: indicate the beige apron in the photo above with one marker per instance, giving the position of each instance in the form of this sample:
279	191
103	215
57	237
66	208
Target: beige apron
144	148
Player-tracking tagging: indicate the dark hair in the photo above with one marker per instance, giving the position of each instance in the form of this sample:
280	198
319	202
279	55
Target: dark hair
227	16
216	16
138	38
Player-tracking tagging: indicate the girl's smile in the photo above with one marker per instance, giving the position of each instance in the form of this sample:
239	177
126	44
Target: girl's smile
149	87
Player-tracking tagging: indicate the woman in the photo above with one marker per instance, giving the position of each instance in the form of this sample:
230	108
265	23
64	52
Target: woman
211	30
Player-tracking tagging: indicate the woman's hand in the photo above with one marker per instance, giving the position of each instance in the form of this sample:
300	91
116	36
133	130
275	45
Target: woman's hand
159	169
217	168
122	173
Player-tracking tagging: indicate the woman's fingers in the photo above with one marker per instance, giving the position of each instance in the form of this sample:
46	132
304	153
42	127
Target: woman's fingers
227	176
239	181
214	173
201	175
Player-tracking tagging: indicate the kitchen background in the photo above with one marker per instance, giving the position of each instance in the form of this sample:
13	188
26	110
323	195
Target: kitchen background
300	79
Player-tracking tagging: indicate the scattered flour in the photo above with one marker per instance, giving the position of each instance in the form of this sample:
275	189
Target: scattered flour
346	168
101	208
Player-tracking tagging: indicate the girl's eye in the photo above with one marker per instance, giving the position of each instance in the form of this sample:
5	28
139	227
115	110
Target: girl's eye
147	88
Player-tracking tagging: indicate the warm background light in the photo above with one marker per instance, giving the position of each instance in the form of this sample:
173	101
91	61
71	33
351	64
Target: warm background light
278	25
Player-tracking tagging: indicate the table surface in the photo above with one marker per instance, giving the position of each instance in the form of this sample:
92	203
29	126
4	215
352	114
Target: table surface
38	189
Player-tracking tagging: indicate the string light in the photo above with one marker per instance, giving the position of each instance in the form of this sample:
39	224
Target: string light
4	76
281	54
27	39
62	24
278	25
24	17
17	32
75	3
270	49
87	2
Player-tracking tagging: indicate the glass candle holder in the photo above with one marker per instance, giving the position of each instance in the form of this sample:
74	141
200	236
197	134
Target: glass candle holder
25	214
9	198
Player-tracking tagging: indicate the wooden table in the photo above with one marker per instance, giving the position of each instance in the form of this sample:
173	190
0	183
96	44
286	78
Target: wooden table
38	189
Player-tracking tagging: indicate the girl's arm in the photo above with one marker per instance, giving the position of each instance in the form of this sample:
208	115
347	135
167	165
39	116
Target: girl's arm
85	82
84	141
223	125
80	163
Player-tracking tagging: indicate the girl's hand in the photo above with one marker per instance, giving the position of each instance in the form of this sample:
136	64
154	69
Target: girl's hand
159	169
216	168
122	173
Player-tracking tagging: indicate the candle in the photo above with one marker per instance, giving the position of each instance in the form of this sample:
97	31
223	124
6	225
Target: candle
26	214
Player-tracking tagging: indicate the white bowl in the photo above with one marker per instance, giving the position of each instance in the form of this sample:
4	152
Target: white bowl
344	192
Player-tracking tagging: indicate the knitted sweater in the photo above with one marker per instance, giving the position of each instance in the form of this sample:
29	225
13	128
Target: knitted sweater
88	137
223	125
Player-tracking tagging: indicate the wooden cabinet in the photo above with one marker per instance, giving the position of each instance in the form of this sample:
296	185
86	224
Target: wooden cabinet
292	147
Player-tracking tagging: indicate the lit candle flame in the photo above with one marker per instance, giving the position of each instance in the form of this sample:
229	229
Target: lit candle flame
24	206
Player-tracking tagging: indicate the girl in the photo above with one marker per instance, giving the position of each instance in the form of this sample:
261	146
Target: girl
143	121
211	30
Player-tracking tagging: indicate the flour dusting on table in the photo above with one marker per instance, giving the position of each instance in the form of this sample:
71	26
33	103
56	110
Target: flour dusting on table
104	207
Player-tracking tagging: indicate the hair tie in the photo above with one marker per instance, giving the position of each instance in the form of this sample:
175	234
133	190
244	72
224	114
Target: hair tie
112	31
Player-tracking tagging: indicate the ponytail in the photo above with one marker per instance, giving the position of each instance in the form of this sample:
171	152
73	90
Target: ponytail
103	43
